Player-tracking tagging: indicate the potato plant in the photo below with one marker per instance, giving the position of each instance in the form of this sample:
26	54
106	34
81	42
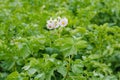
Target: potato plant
59	40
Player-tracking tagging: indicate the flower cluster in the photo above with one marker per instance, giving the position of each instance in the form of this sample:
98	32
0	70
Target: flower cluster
58	22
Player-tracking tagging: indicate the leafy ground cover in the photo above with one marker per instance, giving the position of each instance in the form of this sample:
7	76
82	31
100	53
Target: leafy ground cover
86	48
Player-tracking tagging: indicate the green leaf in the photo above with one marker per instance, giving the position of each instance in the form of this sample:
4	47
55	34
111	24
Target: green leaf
77	68
62	69
40	76
31	71
71	51
81	44
13	76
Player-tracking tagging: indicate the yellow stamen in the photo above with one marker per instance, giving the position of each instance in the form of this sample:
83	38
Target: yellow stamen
63	23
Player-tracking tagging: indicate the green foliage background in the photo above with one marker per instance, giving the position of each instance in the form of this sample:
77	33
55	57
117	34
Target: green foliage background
87	49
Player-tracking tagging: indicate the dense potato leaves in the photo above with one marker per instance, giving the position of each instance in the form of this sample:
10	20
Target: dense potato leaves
59	40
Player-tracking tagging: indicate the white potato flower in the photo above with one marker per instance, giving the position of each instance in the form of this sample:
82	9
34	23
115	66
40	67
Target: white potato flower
58	18
63	22
50	21
52	24
56	23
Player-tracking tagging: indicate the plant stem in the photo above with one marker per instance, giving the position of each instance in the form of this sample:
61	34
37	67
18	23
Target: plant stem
68	68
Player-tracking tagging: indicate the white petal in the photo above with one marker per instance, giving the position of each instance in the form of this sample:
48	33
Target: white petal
63	22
